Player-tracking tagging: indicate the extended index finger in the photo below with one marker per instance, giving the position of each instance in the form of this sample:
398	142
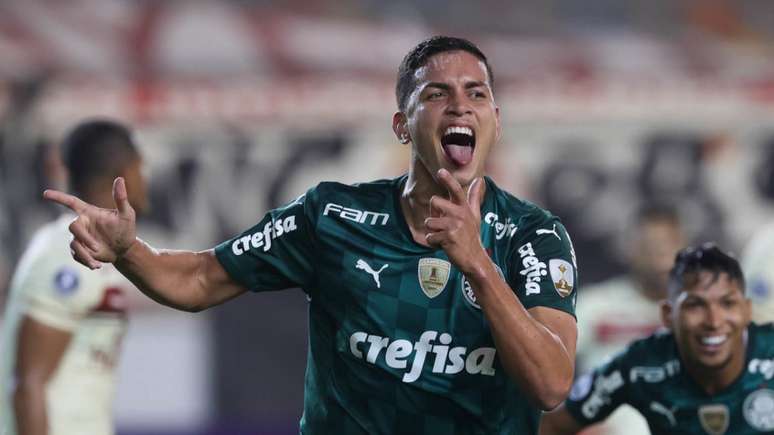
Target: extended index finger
72	202
456	194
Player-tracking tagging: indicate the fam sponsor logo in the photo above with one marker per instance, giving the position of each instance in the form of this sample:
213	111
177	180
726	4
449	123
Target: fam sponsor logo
604	387
653	375
263	238
763	366
446	359
359	216
502	229
534	269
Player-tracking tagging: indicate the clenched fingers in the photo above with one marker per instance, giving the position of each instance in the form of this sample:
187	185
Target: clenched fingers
78	229
442	207
82	255
437	223
436	238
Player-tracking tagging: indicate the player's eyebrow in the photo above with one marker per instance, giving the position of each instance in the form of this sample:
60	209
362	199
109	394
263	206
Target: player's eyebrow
438	85
445	86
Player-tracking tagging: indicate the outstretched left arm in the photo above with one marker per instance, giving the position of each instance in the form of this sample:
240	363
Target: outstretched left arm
536	346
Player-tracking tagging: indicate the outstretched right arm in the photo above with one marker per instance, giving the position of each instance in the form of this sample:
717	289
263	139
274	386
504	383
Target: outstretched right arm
185	280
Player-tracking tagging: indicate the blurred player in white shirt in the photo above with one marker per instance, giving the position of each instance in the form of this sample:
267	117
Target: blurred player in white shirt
64	324
615	312
758	266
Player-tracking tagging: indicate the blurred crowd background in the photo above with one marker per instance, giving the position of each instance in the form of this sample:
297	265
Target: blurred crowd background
239	106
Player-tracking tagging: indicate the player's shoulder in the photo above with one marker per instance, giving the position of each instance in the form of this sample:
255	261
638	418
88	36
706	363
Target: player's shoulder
656	349
517	208
46	264
371	192
763	336
50	242
527	216
760	246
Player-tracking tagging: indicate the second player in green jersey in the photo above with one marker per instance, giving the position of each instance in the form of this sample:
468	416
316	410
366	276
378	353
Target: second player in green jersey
711	373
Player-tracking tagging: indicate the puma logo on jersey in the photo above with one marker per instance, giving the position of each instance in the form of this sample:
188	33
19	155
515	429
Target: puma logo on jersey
447	359
551	231
271	231
362	265
361	217
669	413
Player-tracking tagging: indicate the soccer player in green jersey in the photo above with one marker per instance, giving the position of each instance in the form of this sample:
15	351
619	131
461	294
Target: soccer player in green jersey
439	303
710	373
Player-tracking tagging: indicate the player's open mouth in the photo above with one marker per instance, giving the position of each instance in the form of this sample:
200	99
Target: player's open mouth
458	144
713	342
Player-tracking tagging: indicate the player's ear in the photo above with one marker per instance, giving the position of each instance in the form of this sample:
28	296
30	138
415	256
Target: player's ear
666	313
499	126
747	306
400	127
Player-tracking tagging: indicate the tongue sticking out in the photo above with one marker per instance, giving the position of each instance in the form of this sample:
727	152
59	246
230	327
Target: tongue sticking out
460	155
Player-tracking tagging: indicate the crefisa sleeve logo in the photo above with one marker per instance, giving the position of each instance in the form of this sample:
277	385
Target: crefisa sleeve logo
66	281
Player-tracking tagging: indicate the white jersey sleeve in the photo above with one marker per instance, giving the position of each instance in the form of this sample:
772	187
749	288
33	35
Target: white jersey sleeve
758	266
53	288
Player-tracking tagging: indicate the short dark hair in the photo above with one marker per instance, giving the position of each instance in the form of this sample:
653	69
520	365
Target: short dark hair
690	261
418	56
95	149
657	210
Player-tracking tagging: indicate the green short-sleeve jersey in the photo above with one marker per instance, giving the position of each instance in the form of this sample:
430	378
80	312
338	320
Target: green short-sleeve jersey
649	377
397	342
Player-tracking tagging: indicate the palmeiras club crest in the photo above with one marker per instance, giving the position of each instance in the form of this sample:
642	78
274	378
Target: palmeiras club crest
758	410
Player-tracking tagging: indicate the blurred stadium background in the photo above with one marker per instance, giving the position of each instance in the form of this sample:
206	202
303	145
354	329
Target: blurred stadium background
240	106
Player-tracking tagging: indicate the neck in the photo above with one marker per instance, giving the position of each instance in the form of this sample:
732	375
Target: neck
713	380
415	197
100	197
649	288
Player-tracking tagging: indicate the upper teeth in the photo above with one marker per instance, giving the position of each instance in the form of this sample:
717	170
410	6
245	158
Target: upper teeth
717	339
459	130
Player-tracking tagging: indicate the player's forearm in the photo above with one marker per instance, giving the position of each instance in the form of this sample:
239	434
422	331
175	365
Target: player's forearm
29	403
171	278
531	354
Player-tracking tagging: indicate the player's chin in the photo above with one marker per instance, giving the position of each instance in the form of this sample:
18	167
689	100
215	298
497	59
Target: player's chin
464	174
715	361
